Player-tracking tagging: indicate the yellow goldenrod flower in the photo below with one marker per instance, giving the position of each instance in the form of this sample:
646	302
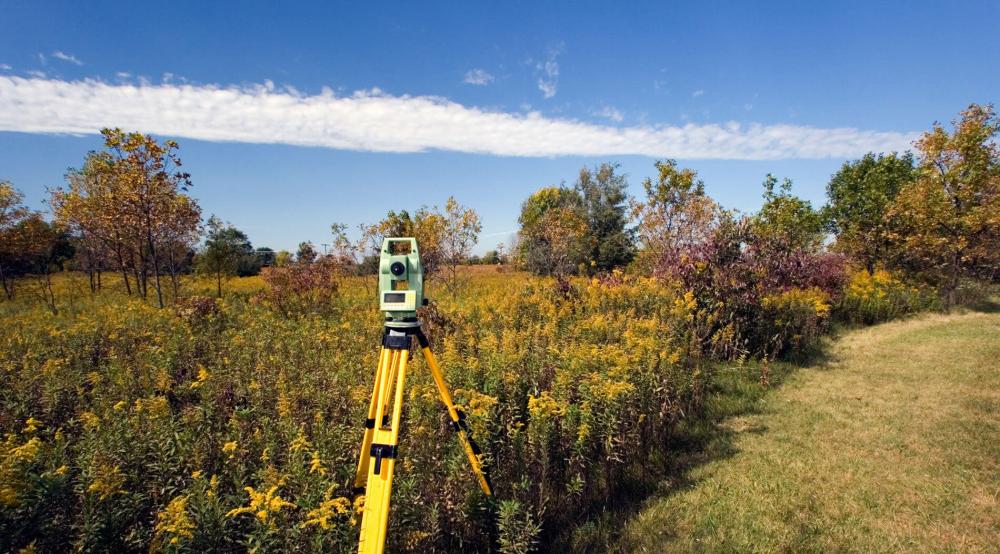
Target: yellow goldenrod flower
262	504
173	522
31	425
317	464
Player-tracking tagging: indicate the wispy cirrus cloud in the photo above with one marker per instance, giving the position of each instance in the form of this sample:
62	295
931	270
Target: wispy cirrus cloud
60	55
611	113
477	76
377	122
548	71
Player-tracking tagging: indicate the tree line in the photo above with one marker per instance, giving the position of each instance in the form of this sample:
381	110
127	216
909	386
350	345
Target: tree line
933	214
127	211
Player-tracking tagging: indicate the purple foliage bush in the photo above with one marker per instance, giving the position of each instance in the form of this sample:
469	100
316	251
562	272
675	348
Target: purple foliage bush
736	273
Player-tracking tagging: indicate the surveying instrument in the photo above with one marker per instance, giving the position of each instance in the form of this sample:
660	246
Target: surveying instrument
401	290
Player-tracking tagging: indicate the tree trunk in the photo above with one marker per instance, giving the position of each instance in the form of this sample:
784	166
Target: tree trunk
48	294
8	290
140	272
139	282
951	297
156	266
173	273
90	272
218	283
121	265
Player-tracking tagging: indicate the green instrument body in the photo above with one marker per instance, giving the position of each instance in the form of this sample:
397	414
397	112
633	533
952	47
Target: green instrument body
400	278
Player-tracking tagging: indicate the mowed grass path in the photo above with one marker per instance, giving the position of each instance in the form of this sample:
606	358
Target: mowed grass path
892	444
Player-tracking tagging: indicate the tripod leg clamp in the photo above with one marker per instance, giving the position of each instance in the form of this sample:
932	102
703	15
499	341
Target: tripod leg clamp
396	342
380	451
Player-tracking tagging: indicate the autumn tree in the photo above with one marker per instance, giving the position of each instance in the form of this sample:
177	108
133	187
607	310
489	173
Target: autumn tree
12	213
43	248
427	225
675	213
92	209
553	237
859	196
131	198
461	231
604	194
949	217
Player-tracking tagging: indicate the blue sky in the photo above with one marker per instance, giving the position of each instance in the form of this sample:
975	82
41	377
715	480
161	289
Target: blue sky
293	116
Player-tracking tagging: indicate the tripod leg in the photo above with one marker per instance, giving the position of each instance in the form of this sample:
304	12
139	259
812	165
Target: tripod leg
382	459
361	475
472	450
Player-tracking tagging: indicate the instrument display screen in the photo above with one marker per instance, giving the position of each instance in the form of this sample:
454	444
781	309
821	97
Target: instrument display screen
394	297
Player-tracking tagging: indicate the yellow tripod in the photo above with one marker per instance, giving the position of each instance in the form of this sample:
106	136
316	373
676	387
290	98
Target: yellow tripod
380	445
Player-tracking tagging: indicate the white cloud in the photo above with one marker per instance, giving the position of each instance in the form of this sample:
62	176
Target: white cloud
611	113
66	57
5	67
123	74
477	77
548	71
36	73
377	122
697	93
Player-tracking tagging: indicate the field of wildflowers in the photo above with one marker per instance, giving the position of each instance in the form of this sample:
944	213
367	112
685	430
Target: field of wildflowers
229	424
234	423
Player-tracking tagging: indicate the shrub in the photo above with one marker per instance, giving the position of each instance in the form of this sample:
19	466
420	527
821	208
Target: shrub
794	320
732	272
881	296
301	287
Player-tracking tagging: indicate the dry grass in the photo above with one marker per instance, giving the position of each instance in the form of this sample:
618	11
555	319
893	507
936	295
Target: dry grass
891	445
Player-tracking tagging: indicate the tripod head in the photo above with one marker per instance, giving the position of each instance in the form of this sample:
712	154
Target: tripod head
400	279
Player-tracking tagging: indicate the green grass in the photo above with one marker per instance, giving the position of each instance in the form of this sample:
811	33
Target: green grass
889	443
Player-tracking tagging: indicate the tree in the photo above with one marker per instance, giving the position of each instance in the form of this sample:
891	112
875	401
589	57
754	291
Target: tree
461	231
306	253
282	258
675	213
12	213
949	216
788	218
266	256
130	199
605	197
427	225
859	196
553	237
44	247
225	249
346	252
